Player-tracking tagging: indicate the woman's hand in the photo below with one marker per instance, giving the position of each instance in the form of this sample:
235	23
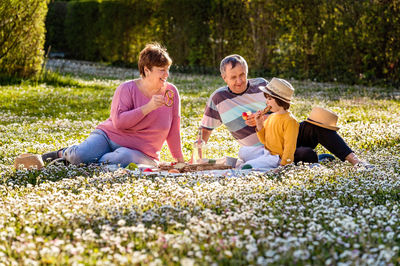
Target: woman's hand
180	160
155	102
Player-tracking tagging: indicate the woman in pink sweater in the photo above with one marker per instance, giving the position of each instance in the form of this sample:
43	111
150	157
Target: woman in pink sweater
140	120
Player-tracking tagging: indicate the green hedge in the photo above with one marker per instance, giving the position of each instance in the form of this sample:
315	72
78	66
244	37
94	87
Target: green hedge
125	27
22	32
82	30
55	25
344	40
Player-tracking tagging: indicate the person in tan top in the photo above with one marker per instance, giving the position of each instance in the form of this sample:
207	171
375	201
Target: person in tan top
278	132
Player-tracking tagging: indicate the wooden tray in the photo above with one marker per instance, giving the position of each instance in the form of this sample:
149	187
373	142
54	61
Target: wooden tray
195	167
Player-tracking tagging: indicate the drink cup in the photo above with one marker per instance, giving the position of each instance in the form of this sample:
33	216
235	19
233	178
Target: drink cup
231	161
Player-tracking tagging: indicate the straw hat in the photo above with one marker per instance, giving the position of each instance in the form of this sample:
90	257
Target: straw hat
28	160
323	118
279	88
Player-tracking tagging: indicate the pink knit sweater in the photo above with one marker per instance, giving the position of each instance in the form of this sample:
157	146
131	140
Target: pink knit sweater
128	127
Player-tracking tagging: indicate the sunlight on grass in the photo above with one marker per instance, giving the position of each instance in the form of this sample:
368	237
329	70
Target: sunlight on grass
327	214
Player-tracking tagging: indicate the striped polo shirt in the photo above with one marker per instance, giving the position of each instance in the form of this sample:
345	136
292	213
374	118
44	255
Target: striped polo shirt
226	107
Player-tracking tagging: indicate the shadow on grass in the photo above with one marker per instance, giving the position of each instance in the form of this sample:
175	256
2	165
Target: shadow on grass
5	80
58	106
51	78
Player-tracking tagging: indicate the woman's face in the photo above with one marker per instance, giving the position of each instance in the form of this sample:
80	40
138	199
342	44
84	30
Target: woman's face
157	75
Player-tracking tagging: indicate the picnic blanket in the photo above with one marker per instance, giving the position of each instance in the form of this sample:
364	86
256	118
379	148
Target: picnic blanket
200	169
184	168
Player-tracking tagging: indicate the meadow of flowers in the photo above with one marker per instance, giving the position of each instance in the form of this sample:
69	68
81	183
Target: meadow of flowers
329	214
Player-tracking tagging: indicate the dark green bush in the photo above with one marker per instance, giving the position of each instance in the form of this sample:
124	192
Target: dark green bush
22	32
124	29
82	30
185	31
344	40
55	21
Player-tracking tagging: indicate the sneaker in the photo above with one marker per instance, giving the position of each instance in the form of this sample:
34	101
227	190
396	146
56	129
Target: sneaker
247	166
325	157
59	161
50	156
363	166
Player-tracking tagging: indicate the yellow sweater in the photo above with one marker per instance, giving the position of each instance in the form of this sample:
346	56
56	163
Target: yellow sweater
279	136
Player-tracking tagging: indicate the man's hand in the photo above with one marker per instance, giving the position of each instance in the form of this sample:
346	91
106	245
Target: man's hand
251	119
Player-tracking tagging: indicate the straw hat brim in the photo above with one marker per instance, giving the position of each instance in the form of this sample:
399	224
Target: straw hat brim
322	125
273	94
28	161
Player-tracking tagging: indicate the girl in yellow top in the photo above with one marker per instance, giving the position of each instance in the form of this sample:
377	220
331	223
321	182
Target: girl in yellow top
279	131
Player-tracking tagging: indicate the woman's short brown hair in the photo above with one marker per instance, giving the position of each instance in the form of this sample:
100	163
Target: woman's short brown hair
153	55
279	102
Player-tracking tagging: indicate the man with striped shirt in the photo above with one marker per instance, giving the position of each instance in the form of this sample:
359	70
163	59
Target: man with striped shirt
226	104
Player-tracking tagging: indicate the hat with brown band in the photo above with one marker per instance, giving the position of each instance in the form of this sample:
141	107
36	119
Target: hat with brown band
28	161
323	118
279	88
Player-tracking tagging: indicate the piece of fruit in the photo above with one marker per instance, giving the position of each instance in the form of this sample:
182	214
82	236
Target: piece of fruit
179	165
147	170
175	171
245	115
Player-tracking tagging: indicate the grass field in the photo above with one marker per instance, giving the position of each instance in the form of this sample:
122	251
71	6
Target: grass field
329	215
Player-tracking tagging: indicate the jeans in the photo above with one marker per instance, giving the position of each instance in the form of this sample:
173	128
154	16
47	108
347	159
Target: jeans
311	135
98	148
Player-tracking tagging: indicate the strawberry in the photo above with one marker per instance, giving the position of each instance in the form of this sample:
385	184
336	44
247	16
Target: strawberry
245	115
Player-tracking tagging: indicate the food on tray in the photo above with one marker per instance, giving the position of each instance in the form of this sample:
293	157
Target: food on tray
174	171
179	165
184	167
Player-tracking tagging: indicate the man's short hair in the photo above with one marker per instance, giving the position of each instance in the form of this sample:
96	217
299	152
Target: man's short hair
153	55
233	60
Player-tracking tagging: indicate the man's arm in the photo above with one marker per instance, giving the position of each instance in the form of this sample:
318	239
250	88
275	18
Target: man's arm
205	134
